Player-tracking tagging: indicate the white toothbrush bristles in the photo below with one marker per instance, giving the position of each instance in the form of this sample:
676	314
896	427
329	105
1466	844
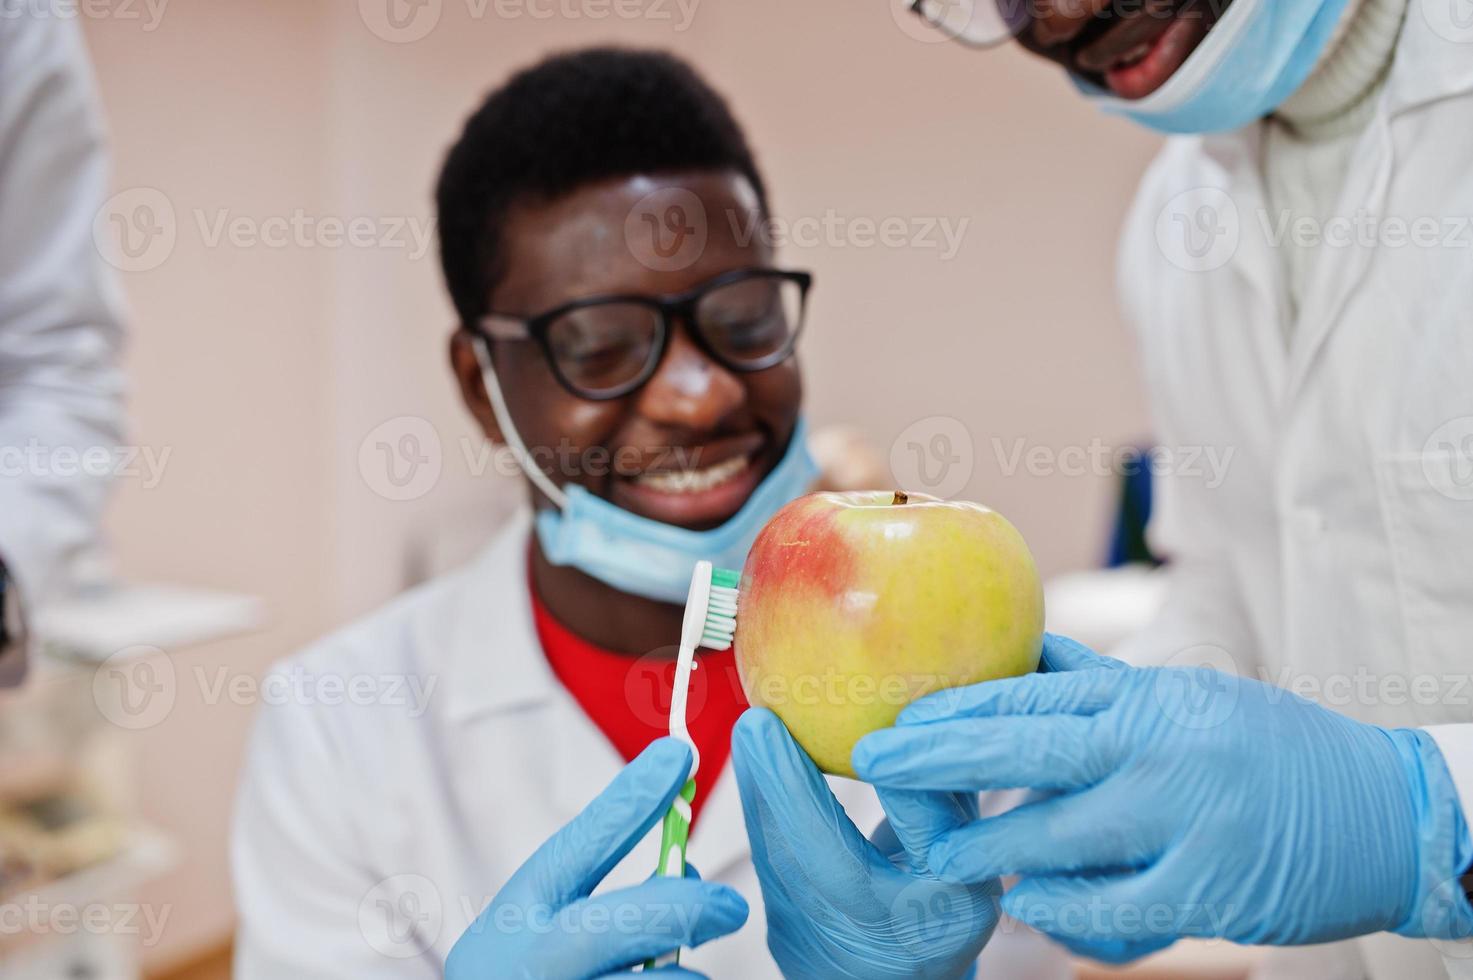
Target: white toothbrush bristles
720	625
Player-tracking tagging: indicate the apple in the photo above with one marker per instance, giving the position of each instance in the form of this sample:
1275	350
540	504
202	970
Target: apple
852	605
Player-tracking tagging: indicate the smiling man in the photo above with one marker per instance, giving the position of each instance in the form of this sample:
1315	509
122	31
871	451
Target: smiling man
647	402
1197	66
1131	48
644	374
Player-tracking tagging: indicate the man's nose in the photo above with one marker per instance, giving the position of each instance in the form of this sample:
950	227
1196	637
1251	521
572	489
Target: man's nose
689	390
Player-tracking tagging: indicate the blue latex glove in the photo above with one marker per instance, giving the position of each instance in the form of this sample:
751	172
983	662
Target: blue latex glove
544	923
1189	803
838	905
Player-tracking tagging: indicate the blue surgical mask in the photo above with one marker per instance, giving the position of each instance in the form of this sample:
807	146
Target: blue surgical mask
1252	60
635	554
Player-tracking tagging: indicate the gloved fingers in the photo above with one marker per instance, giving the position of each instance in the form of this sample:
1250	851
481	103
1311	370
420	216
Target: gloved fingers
1111	918
1115	951
621	928
1075	692
691	874
972	754
1090	831
791	814
769	763
670	972
887	842
573	861
1062	655
932	922
916	819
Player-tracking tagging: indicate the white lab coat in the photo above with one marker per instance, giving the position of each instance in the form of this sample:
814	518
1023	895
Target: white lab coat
350	812
60	330
1336	559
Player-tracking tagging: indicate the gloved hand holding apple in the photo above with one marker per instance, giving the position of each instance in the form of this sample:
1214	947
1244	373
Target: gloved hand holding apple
853	605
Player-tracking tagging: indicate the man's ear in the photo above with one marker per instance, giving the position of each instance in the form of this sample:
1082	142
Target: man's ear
467	368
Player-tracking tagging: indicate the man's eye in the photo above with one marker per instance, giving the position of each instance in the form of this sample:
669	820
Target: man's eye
599	354
579	340
744	333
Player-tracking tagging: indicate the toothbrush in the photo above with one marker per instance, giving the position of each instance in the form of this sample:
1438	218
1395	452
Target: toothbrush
710	621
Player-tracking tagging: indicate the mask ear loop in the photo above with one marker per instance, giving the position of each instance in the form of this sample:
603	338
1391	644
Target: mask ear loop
509	432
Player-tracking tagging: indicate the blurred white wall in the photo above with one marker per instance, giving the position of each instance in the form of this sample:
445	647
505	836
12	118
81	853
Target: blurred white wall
265	368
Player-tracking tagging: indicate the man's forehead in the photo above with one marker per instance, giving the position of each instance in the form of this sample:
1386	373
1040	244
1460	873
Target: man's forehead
608	237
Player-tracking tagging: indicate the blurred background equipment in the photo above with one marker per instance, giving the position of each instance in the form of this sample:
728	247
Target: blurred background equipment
72	850
75	848
60	328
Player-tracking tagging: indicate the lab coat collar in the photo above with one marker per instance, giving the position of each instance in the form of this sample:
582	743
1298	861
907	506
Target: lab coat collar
1432	58
1233	166
493	657
495	663
1431	63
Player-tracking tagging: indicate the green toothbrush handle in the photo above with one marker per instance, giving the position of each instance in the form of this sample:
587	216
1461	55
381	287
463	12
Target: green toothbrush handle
673	834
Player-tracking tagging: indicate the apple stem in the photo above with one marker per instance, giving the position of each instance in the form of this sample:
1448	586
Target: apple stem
901	497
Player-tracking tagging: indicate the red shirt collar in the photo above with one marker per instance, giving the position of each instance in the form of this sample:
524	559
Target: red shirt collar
628	697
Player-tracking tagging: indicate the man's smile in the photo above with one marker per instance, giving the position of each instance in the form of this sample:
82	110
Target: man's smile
696	486
1132	51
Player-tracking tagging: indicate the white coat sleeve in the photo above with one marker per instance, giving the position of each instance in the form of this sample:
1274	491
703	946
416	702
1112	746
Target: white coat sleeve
60	328
301	879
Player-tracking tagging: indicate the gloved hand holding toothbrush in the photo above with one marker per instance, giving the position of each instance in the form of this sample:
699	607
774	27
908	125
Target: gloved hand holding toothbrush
538	924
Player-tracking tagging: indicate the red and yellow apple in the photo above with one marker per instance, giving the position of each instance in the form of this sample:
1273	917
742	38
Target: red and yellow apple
855	604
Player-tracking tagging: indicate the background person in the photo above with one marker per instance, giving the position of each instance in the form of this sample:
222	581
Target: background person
60	330
1338	544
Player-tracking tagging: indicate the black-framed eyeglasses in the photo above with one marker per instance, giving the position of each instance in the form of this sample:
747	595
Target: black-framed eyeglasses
975	23
605	347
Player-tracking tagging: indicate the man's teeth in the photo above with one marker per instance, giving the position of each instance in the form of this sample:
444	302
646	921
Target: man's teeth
694	481
1135	55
